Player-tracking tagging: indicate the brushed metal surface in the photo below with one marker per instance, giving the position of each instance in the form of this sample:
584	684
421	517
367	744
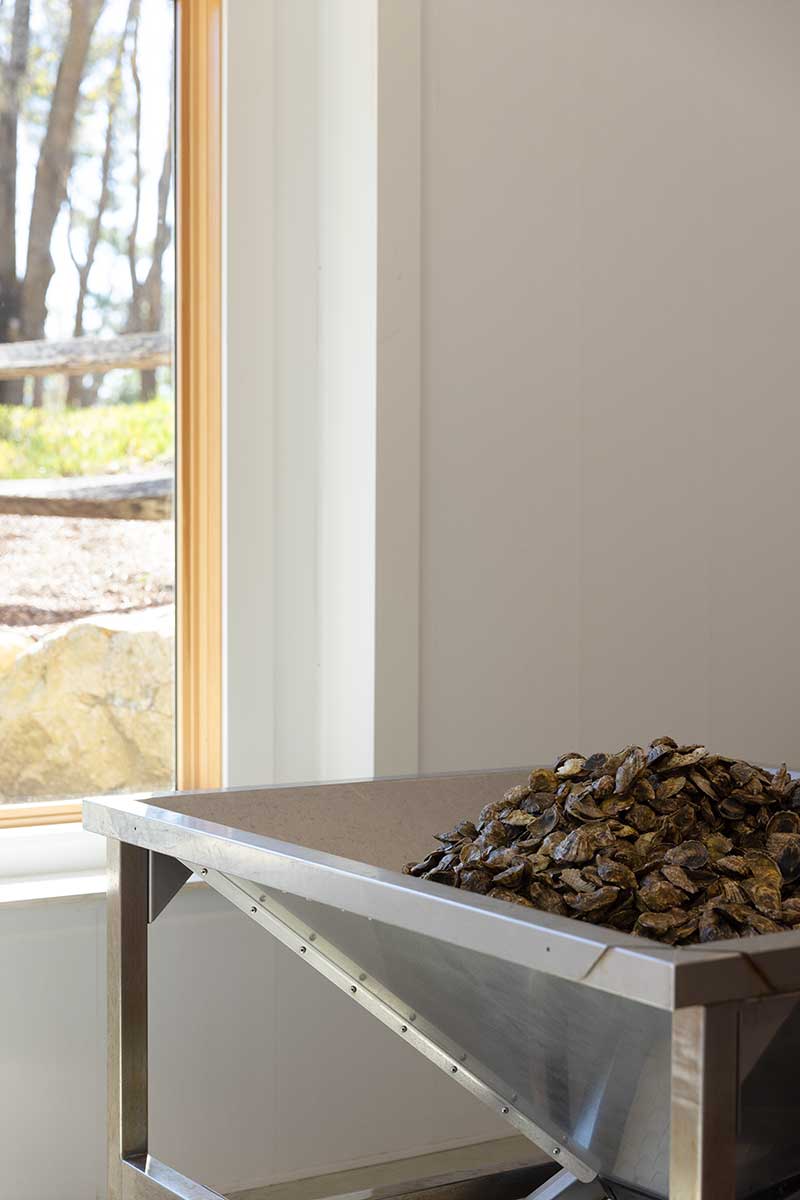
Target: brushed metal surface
768	1146
564	1186
127	1009
571	1059
569	948
595	1070
393	1011
508	1168
703	1103
166	877
573	1023
513	1182
145	1178
372	820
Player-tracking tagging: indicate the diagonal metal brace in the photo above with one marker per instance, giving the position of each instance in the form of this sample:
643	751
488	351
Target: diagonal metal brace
270	914
564	1186
145	1178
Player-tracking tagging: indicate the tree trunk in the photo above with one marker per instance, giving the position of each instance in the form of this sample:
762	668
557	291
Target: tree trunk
146	307
12	72
133	235
77	394
152	291
55	161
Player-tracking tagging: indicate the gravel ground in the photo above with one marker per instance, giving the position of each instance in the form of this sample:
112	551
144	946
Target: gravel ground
54	569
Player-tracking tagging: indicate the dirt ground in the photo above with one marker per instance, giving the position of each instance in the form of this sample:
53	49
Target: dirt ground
54	569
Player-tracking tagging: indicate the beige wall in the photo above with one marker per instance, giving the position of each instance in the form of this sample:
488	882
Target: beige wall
611	359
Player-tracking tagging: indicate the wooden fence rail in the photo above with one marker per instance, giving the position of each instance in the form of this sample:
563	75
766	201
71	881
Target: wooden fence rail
137	498
85	355
120	497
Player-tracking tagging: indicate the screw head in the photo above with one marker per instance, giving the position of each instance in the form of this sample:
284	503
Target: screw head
556	1152
254	909
302	949
454	1069
354	990
505	1109
204	871
404	1029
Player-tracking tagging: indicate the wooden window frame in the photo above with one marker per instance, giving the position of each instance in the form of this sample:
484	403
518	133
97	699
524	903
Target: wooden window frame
198	608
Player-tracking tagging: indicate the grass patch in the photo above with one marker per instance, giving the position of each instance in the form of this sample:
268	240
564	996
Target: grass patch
45	443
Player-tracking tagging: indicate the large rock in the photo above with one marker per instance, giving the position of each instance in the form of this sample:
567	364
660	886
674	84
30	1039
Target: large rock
90	709
12	644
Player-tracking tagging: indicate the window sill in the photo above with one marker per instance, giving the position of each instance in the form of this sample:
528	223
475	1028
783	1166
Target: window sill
50	862
54	862
52	887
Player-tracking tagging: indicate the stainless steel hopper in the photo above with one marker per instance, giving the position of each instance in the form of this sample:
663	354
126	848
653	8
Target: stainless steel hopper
639	1069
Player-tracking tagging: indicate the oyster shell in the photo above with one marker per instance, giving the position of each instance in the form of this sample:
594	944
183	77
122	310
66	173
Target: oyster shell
667	841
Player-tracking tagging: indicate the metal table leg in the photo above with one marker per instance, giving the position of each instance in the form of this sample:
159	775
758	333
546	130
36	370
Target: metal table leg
132	1173
704	1061
703	1104
139	886
127	1009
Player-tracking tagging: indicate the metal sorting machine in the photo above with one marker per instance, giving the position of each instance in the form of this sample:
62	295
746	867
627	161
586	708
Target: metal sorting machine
639	1069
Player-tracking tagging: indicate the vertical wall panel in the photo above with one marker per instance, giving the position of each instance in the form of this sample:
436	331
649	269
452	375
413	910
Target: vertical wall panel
249	374
347	329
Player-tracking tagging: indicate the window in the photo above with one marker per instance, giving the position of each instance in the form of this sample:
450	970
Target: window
87	400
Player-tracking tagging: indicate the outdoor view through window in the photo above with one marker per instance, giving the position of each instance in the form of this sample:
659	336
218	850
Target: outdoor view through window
86	397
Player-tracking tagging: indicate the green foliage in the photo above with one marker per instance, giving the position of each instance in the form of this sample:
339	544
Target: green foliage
40	442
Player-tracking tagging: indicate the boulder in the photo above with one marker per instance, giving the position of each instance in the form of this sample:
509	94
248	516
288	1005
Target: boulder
12	644
89	709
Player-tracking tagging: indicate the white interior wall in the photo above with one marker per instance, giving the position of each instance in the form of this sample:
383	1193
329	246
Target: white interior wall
610	372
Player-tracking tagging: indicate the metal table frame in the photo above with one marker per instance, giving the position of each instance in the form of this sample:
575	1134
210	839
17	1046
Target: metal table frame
140	884
152	851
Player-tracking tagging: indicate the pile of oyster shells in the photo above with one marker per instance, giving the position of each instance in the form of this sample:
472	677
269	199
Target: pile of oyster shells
670	842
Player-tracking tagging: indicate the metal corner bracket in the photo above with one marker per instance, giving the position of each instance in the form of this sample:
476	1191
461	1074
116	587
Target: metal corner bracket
165	878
